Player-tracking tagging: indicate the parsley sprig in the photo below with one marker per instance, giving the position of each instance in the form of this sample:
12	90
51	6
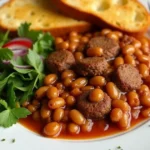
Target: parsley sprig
17	84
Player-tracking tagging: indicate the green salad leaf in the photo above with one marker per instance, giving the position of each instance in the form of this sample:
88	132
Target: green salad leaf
22	75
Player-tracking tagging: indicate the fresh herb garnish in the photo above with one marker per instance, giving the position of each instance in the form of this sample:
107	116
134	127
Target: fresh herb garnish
119	147
22	75
2	140
13	141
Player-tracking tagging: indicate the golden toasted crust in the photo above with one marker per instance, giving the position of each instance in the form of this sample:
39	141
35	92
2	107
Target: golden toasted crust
42	15
125	15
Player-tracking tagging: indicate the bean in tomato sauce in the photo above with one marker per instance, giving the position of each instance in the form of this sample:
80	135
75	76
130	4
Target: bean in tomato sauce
97	85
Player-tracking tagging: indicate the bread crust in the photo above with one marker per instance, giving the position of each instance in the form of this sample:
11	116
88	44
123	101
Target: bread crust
87	16
55	31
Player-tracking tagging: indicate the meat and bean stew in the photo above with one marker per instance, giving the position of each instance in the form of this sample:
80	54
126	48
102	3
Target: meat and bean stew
97	84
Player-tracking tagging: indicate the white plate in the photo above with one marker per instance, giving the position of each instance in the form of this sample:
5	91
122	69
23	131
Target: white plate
138	139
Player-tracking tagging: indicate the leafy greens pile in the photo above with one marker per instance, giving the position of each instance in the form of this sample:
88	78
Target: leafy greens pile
22	75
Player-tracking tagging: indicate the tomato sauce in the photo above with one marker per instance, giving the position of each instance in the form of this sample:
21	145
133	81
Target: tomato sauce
97	130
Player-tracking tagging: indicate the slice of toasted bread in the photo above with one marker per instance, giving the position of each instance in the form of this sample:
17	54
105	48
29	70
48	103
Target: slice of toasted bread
125	15
41	14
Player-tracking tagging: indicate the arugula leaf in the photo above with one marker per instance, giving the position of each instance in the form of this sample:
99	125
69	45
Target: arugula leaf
5	54
11	116
3	38
24	31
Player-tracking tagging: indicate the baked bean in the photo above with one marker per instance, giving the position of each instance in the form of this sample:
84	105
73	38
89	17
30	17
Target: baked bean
87	127
145	49
70	100
58	114
73	128
50	79
64	45
41	92
124	122
64	95
144	90
79	83
52	92
68	74
133	99
143	70
78	55
116	114
118	61
87	88
96	95
124	106
112	35
143	58
67	82
56	103
73	34
129	60
73	46
58	40
52	129
36	103
76	117
60	86
66	116
84	39
119	34
45	112
105	31
36	116
128	49
95	51
112	90
146	112
75	92
138	52
74	39
144	41
31	108
136	44
145	100
97	81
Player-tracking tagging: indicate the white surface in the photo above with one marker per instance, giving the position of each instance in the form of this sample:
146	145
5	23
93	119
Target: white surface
138	139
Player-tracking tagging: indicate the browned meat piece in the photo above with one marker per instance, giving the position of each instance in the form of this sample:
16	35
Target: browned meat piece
128	78
91	110
59	61
92	66
110	47
126	40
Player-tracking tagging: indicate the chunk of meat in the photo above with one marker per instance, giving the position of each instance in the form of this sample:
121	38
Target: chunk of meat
93	110
59	61
128	78
92	66
110	47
